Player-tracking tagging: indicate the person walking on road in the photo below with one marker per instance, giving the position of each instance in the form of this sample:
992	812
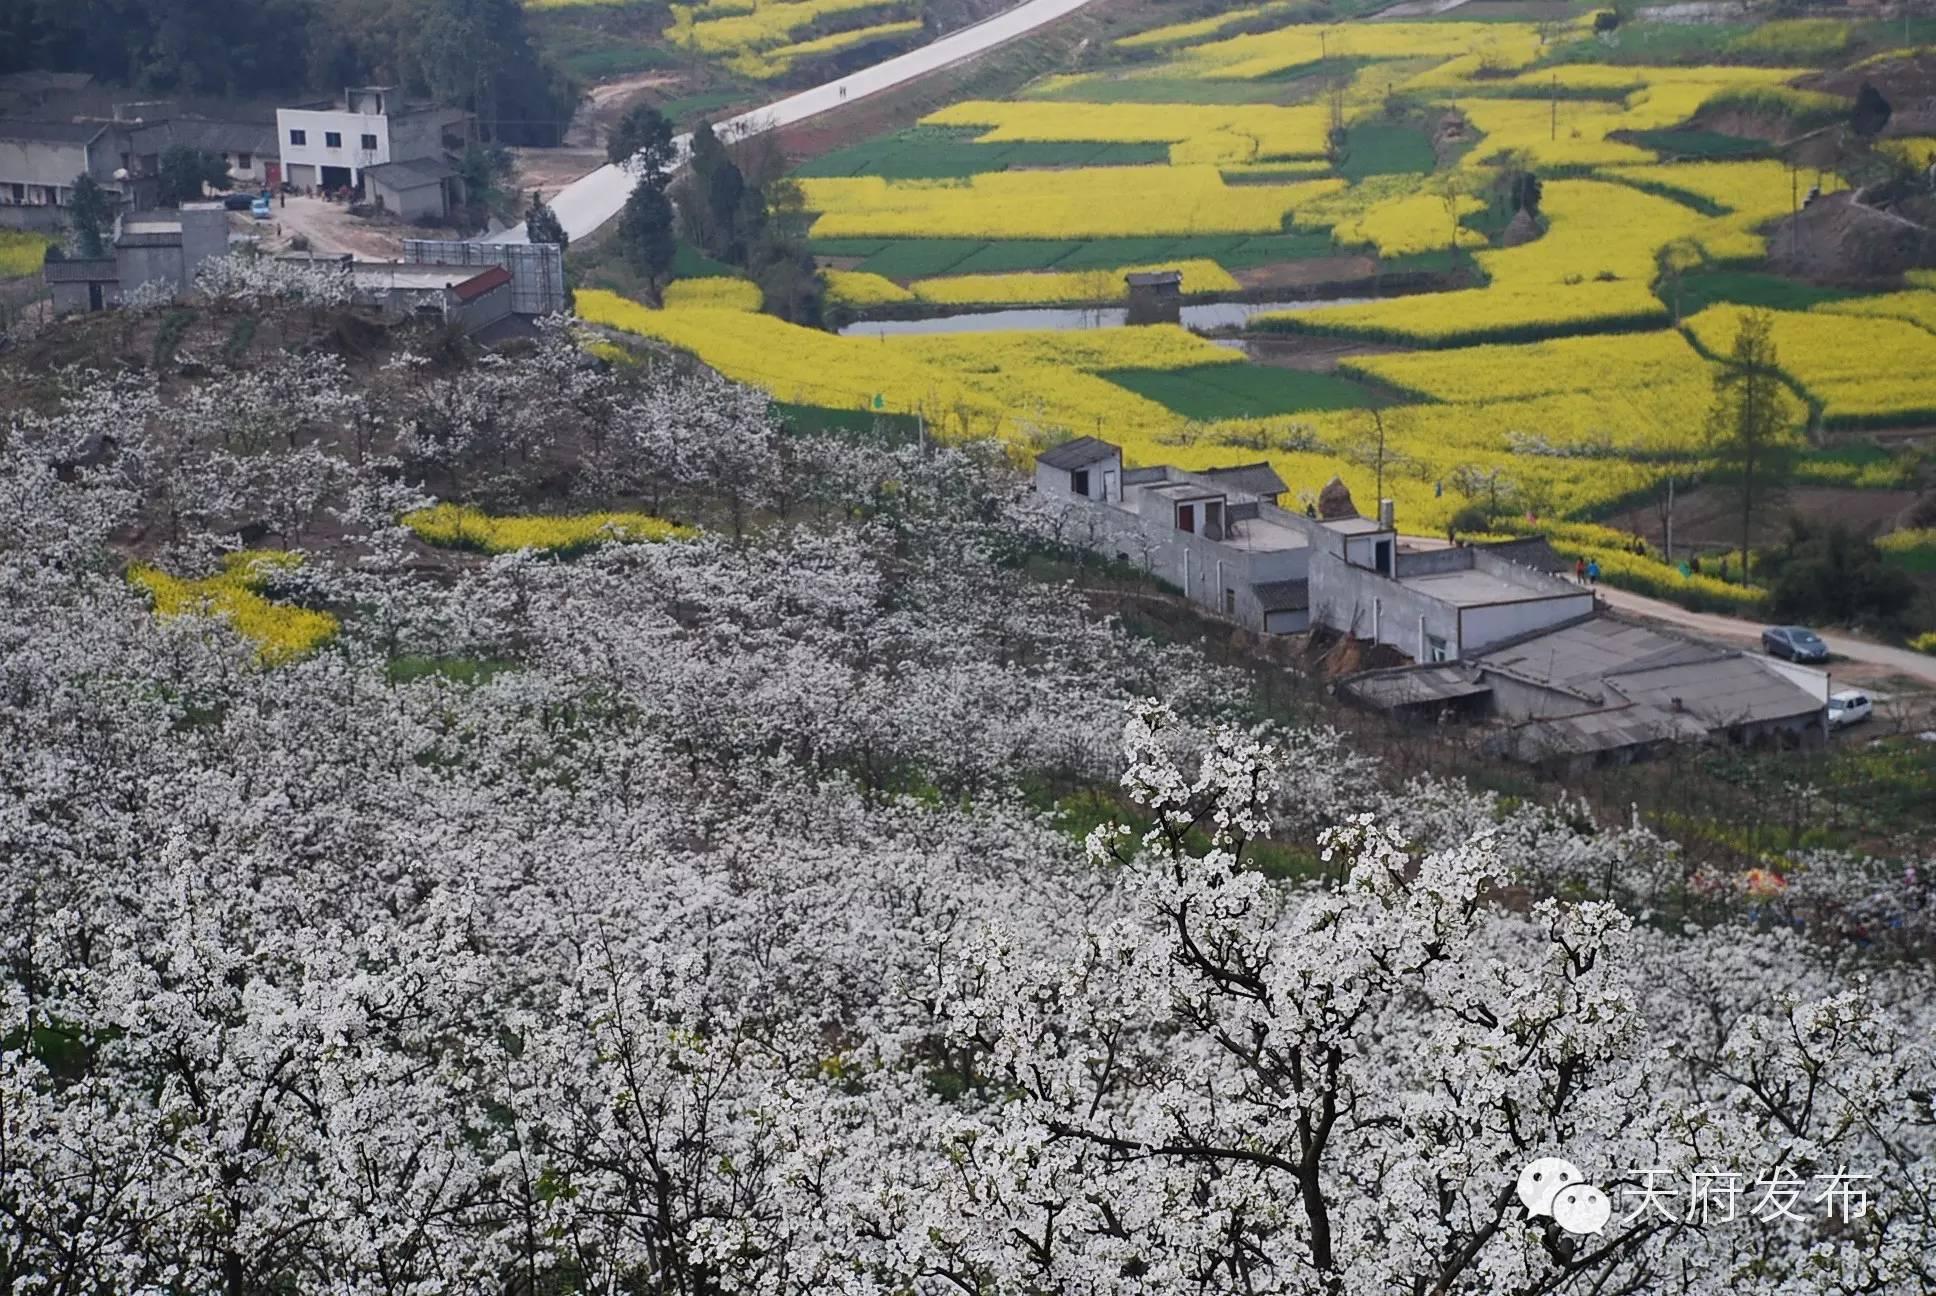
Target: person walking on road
1579	570
1593	572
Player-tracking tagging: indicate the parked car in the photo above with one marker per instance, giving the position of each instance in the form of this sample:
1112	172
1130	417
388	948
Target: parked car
260	207
1848	706
1796	643
237	201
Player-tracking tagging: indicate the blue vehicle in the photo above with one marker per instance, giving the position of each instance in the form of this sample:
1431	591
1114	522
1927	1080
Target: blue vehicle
260	207
1796	643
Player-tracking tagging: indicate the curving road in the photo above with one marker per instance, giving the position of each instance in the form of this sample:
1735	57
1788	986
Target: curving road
591	200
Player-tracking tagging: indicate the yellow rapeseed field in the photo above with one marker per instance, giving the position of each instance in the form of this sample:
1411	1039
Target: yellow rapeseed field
280	632
1918	151
1206	132
860	288
1504	46
1415	223
459	527
1048	287
717	292
1862	369
733	28
1918	306
976	383
1084	202
764	65
1185	32
21	253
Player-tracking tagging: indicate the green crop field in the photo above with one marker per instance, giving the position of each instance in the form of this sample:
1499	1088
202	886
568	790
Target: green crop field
947	153
1210	392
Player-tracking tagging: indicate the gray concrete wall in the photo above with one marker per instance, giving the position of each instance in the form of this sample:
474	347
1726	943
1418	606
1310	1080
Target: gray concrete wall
53	163
205	235
537	269
484	311
43	220
1433	562
1105	482
415	137
419	204
1481	627
1358	601
140	265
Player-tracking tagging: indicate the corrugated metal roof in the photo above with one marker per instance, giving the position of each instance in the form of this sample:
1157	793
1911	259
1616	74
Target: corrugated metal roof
51	132
1079	453
1600	731
1284	595
1416	686
1736	689
1578	656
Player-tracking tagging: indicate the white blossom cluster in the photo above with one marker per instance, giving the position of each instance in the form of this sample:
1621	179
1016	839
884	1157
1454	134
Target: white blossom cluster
715	938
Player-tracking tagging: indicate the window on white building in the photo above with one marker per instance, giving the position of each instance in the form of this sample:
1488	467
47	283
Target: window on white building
245	161
298	138
1436	649
332	139
1079	482
369	143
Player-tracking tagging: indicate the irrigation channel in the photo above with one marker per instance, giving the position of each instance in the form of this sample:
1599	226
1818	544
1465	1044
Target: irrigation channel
1208	318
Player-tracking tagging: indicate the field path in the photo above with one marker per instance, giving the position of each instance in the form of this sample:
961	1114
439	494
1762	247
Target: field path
591	200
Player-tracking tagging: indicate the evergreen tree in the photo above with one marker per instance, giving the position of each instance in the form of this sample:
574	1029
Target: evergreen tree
184	171
645	234
541	224
644	134
91	214
1750	422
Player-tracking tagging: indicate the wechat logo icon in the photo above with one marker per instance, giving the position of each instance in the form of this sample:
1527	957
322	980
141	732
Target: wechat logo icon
1554	1186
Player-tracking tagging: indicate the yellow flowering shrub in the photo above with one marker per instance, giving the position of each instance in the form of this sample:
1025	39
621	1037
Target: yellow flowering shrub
718	292
1083	202
1047	287
1921	278
1198	132
1800	38
456	526
1924	642
280	632
860	288
1863	369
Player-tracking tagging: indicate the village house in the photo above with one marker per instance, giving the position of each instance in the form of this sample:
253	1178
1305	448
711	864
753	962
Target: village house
1494	633
167	246
41	160
1220	537
379	148
1605	689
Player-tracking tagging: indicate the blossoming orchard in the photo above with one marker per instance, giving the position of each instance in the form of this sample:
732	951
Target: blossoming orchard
604	835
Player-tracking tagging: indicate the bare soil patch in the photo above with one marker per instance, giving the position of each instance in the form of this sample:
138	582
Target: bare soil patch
1308	354
1835	239
329	227
549	170
1307	272
1708	519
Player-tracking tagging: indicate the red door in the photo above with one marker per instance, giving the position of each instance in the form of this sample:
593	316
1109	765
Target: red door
272	174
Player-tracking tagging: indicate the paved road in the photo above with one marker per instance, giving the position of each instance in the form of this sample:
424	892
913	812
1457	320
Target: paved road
1902	661
588	202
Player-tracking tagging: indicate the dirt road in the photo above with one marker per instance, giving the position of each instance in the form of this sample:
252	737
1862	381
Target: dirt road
329	227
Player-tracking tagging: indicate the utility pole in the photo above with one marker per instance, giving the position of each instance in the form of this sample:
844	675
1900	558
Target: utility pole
1556	106
1794	211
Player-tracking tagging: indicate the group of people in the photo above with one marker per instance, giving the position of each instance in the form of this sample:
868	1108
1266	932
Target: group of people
1586	572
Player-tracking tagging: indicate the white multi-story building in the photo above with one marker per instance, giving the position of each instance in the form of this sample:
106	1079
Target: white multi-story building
375	131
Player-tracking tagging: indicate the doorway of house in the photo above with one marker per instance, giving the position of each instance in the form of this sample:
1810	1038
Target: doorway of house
334	178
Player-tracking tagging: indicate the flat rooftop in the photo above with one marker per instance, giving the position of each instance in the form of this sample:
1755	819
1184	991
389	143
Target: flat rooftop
1473	588
1353	525
405	274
